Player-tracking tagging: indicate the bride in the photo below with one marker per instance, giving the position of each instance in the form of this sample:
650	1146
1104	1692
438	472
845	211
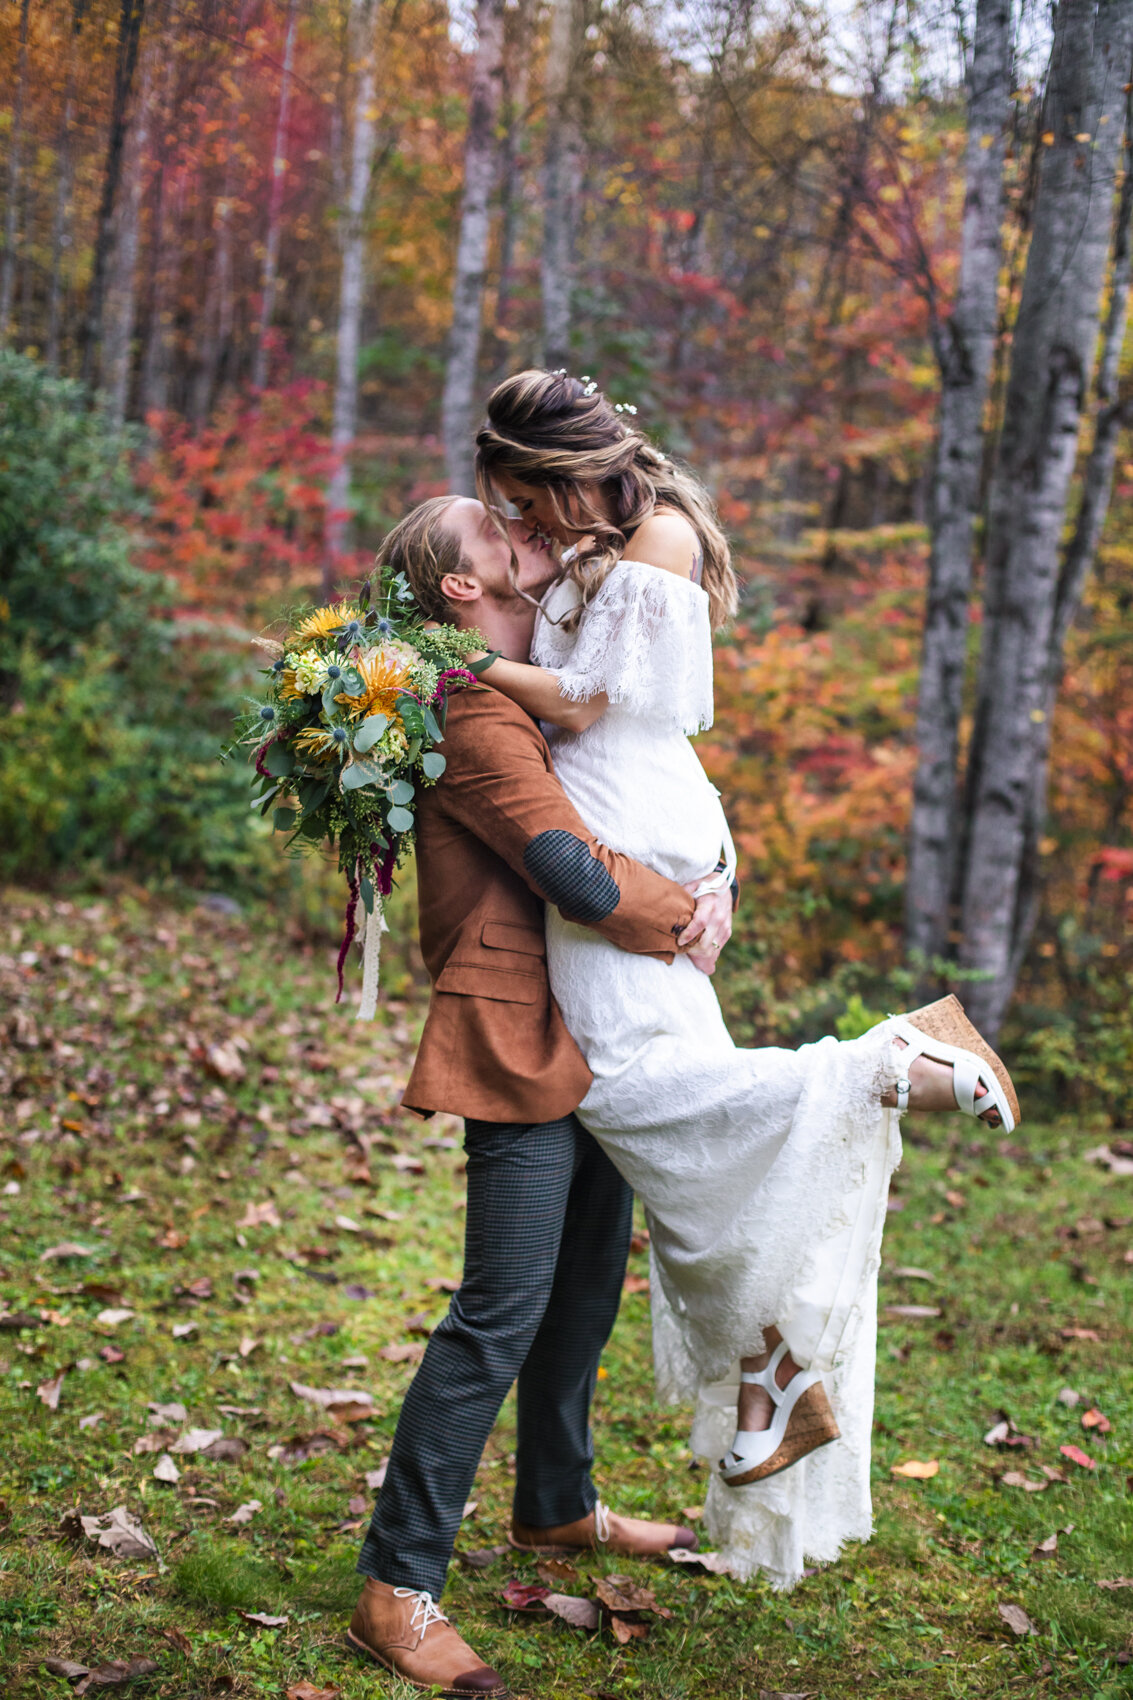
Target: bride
763	1173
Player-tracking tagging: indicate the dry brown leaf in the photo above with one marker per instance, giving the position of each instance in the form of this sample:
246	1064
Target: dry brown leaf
111	1318
442	1283
229	1449
1117	1582
165	1470
916	1469
308	1691
119	1533
159	1415
636	1284
1047	1548
263	1215
66	1248
625	1631
906	1273
556	1570
196	1440
582	1613
1016	1619
49	1391
178	1639
1077	1456
244	1513
248	1344
1093	1419
224	1060
914	1313
407	1354
1080	1334
263	1620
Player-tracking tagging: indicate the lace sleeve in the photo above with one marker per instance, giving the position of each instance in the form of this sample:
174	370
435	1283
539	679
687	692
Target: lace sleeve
646	641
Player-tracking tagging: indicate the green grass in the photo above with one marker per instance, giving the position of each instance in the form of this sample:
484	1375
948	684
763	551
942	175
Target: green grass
112	1039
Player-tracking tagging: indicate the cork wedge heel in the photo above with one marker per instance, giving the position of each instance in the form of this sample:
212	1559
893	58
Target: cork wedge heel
802	1422
942	1032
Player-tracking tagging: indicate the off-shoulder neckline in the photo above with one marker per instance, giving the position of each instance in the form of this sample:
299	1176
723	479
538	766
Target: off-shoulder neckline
678	578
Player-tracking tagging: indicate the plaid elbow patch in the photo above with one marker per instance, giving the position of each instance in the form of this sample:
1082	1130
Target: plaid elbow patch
572	879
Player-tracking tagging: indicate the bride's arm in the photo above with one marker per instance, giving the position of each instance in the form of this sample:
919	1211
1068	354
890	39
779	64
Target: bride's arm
537	690
665	540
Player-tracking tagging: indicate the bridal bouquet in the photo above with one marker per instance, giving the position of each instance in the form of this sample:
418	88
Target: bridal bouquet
346	734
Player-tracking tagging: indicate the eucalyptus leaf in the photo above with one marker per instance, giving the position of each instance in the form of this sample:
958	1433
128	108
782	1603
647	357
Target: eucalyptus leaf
366	893
279	760
361	772
431	726
284	819
400	791
352	682
433	764
369	732
413	751
400	820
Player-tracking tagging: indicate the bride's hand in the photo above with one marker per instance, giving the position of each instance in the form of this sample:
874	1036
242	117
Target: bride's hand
709	930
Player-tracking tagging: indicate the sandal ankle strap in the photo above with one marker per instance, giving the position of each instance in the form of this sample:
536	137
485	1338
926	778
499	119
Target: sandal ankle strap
765	1377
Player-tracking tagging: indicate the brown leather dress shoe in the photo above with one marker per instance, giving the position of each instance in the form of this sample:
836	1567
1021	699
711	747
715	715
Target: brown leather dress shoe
604	1531
405	1631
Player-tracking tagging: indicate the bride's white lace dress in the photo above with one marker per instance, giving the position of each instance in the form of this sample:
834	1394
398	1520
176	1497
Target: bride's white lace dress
763	1173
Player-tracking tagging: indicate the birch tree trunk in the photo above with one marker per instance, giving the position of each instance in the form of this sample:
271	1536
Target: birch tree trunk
517	69
965	345
15	177
1051	363
1110	416
480	159
129	34
156	359
561	173
364	62
275	207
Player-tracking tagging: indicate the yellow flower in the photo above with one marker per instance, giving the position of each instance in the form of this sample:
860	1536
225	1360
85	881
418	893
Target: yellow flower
323	743
324	621
385	676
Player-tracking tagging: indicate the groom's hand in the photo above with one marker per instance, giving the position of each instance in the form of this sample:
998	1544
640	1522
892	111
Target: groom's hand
709	930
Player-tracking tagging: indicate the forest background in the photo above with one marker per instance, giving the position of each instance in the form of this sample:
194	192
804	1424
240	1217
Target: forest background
261	264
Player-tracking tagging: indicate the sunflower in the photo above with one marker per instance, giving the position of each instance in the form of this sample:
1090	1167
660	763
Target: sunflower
324	743
324	622
386	676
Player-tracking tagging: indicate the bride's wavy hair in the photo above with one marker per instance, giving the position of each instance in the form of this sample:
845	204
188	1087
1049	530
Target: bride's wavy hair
551	430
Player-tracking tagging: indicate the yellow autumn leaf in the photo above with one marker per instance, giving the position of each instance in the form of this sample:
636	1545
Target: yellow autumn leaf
916	1469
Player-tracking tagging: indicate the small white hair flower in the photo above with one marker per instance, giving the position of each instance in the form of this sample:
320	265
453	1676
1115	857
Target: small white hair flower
624	407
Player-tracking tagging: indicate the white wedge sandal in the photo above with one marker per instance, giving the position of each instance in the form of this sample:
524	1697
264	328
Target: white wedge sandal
801	1422
942	1032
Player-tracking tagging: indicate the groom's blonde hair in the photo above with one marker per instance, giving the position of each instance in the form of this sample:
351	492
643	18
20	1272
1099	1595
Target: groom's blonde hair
425	549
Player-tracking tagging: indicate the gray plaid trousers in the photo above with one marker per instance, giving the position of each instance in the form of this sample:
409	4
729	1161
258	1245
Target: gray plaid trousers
546	1242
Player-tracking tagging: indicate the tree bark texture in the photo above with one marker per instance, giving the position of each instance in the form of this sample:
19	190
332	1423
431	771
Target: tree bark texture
1052	359
120	312
1110	416
129	34
965	346
15	177
561	175
64	189
480	161
363	26
275	207
517	70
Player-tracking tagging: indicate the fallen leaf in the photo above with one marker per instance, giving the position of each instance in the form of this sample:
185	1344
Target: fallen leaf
159	1415
1004	1433
248	1344
443	1283
583	1614
355	1290
913	1312
111	1354
407	1354
1053	1475
116	1674
308	1691
1093	1419
471	1507
49	1391
263	1215
524	1596
65	1667
264	1621
622	1594
1068	1397
624	1631
66	1248
240	1410
906	1273
710	1561
178	1639
225	1061
376	1479
348	1225
556	1570
119	1533
1077	1456
158	1441
303	1446
93	1420
916	1469
1016	1619
1047	1548
1080	1334
244	1513
346	1404
112	1318
482	1557
196	1439
636	1284
1016	1478
165	1470
955	1199
406	1164
182	1330
229	1449
1116	1583
781	1694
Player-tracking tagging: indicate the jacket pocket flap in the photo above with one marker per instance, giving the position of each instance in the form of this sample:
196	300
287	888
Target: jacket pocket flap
470	980
505	935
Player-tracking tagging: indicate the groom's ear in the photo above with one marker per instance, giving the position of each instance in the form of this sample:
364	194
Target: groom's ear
461	587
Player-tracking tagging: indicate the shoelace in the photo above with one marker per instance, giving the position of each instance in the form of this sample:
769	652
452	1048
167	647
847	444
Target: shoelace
425	1612
601	1521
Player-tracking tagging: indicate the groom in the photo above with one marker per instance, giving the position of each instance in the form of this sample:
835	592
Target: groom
548	1217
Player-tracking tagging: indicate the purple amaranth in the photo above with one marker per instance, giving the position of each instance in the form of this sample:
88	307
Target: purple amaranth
452	673
383	865
348	934
260	754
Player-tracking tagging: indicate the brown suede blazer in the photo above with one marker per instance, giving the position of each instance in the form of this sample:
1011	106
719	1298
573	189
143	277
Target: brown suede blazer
496	838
